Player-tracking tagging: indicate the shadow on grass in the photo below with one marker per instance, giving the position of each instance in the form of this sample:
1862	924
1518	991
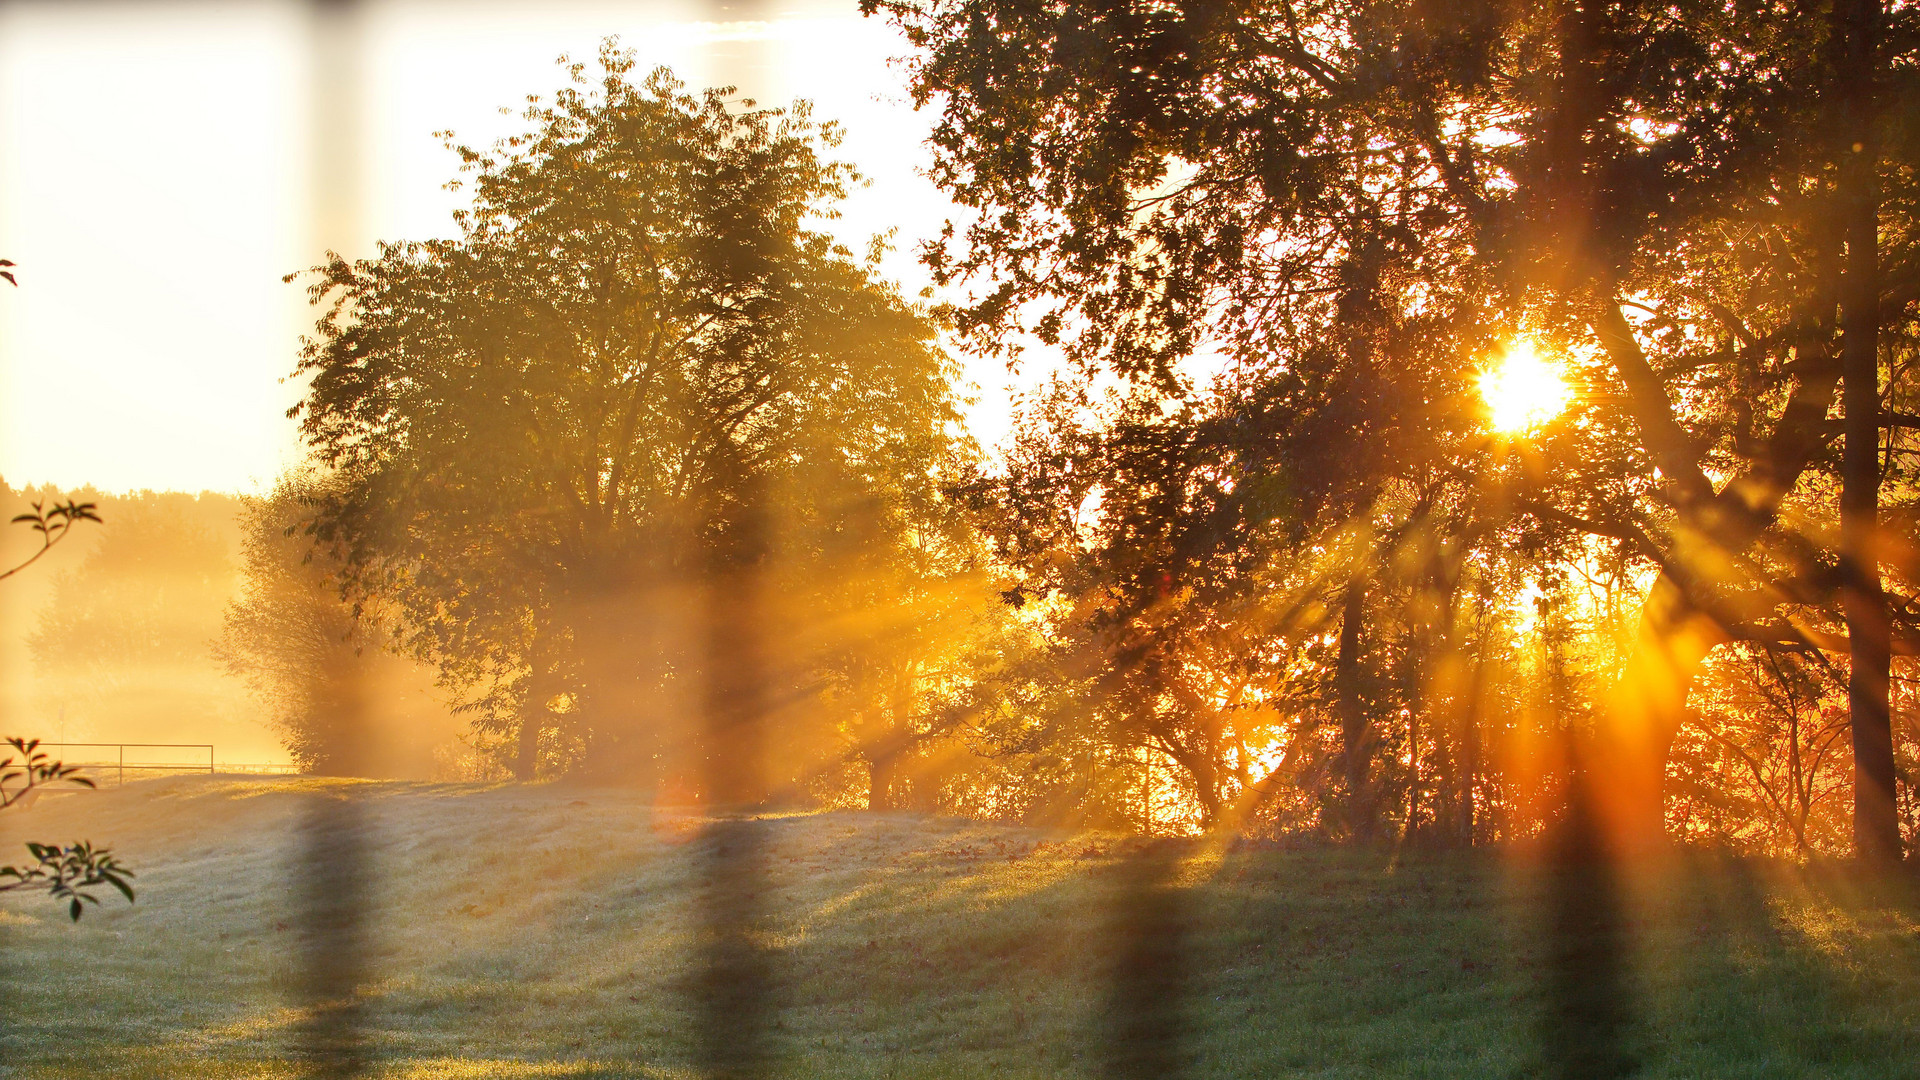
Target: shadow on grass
1143	1033
1815	969
844	946
334	895
732	984
1589	1004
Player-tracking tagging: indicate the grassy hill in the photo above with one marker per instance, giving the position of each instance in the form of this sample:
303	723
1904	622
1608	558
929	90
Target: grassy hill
550	931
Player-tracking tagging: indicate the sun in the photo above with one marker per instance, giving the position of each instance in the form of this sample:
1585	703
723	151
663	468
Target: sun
1523	390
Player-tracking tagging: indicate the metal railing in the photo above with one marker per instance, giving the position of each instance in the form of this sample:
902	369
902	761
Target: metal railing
119	762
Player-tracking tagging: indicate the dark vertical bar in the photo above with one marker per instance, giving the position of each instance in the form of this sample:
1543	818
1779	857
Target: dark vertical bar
732	988
332	887
1587	1013
332	875
1144	1025
336	95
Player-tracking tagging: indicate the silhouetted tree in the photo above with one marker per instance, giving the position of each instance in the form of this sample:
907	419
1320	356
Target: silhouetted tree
1655	191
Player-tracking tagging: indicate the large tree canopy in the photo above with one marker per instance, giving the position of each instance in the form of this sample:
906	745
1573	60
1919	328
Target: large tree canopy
586	446
1666	196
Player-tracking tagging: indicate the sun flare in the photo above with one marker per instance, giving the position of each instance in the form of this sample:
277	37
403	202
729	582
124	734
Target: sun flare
1523	390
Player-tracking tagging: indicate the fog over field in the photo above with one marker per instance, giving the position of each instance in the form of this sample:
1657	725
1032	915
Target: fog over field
116	636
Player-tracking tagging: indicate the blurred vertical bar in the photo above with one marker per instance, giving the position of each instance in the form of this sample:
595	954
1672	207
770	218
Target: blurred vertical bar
1587	1013
332	875
335	48
12	614
1143	1026
332	887
733	990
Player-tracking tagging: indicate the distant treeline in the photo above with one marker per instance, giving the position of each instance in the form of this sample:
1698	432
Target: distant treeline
109	636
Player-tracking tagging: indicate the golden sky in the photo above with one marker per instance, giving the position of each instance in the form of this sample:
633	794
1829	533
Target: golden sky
156	182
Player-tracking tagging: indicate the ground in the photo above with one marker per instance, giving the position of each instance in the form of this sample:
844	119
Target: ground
548	931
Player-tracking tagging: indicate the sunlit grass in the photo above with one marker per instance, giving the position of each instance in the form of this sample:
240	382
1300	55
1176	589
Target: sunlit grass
549	931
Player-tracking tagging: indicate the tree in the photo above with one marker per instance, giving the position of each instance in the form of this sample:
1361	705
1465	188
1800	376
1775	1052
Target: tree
341	701
588	454
908	628
1857	26
65	871
1650	190
1767	768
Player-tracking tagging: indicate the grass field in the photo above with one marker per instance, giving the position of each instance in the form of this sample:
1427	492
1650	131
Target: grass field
550	931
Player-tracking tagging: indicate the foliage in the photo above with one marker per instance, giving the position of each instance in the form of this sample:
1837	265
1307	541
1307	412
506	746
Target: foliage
66	871
52	523
1768	768
909	641
1194	563
628	421
289	635
1358	198
34	770
340	701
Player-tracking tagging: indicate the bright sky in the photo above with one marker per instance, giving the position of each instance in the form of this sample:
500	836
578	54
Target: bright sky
155	185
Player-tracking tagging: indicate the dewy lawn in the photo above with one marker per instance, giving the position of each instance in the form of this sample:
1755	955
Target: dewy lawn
552	931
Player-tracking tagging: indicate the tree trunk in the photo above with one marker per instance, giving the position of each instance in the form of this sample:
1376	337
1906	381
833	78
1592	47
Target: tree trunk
528	757
533	713
1355	739
1624	764
1203	768
885	754
882	775
1467	715
1468	769
1876	824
